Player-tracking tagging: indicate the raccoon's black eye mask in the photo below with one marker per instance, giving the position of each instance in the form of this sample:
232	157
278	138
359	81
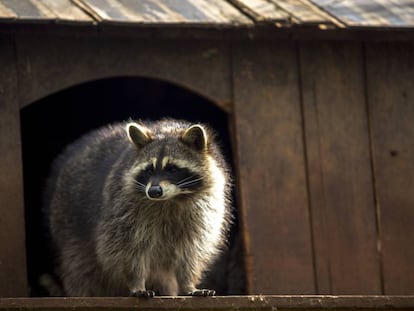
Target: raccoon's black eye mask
146	174
171	169
182	177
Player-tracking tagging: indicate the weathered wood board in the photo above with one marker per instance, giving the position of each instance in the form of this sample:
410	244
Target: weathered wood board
12	234
199	12
339	169
370	13
390	76
271	179
228	303
214	13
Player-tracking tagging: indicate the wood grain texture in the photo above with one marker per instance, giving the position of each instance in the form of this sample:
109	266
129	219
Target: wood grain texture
380	14
164	12
66	11
12	234
29	10
315	303
271	170
302	11
390	76
339	169
262	10
6	13
371	13
43	11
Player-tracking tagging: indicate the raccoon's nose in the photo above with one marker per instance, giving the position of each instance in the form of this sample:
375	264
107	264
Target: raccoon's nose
155	191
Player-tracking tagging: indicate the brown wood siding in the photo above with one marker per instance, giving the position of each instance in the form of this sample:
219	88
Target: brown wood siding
323	139
12	237
271	168
339	169
390	79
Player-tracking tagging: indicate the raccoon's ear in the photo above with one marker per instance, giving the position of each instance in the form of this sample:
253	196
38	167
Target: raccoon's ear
138	134
195	137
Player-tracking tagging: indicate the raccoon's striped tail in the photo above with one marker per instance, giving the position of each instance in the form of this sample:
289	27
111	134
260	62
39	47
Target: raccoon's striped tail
51	285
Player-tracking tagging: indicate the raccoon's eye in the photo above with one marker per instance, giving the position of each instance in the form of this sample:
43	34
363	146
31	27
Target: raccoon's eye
170	168
144	175
148	171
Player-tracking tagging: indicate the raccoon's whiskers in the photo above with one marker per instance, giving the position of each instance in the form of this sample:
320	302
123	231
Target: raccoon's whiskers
139	186
185	179
190	182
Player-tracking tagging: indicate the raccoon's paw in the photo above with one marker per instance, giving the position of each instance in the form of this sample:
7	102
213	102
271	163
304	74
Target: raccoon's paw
143	293
49	283
202	293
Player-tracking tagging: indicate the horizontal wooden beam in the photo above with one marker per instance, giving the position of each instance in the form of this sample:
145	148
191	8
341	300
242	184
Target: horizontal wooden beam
214	303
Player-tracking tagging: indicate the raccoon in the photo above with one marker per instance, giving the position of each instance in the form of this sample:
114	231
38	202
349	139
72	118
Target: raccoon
138	209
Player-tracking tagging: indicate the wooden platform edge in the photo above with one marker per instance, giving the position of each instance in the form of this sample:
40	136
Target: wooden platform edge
257	302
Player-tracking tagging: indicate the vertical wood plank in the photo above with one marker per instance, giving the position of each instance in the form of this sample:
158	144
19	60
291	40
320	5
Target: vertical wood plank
339	169
390	77
271	170
12	247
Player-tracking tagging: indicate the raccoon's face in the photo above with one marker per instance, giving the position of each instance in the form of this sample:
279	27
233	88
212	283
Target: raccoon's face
163	179
169	167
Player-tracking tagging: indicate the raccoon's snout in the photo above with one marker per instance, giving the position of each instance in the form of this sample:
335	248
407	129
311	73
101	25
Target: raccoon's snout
161	191
154	192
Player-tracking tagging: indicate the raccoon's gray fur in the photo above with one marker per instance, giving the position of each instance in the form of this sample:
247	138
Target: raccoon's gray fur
139	207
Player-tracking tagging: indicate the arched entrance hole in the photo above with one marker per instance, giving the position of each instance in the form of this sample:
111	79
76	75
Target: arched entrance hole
51	123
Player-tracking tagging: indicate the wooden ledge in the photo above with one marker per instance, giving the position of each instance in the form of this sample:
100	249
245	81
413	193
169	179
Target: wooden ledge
213	303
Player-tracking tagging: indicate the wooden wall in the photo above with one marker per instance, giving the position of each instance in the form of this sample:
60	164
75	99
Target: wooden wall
325	146
323	141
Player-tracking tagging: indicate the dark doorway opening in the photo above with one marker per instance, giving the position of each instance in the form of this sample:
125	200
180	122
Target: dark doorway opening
51	123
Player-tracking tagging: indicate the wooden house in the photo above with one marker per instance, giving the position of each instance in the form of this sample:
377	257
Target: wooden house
315	101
